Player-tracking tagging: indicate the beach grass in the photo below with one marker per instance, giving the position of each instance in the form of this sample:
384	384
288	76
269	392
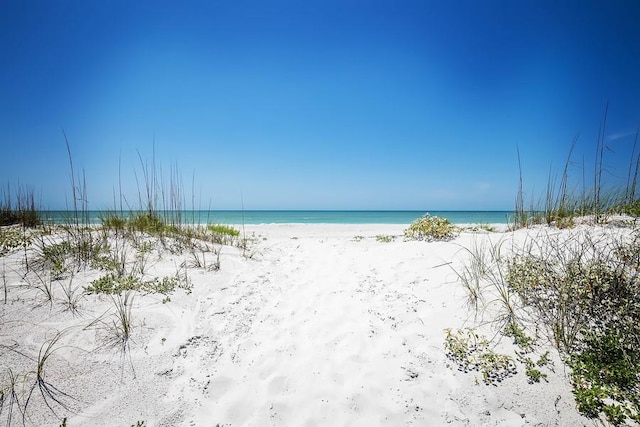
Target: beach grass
120	252
19	208
563	203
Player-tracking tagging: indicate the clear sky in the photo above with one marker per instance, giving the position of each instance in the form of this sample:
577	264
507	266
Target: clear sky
316	104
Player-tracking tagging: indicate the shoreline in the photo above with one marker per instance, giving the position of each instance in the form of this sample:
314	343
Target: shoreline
238	217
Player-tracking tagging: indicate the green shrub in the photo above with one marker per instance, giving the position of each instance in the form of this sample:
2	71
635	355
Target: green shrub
606	377
12	238
632	208
223	230
430	228
149	223
113	284
113	221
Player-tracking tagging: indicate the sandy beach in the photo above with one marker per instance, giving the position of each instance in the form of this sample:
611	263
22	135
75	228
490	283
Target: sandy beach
312	325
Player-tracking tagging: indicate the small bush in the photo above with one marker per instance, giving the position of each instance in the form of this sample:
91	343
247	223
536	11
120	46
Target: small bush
149	223
606	377
632	208
223	229
12	238
430	228
113	221
111	284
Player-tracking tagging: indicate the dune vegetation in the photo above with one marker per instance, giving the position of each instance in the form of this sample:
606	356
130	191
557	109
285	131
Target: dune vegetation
573	282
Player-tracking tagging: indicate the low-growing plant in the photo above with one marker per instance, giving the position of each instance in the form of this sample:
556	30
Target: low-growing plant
606	376
520	338
149	223
111	284
533	374
488	228
114	222
224	230
471	352
631	208
198	257
430	228
53	256
12	238
114	284
384	238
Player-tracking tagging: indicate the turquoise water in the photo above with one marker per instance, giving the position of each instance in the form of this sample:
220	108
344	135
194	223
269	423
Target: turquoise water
306	217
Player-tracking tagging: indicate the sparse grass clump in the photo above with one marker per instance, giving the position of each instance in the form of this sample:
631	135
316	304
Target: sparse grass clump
20	211
430	228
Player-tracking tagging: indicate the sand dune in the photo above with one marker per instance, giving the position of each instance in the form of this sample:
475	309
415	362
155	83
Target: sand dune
320	325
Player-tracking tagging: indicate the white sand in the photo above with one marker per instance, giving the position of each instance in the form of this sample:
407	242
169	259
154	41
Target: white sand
318	328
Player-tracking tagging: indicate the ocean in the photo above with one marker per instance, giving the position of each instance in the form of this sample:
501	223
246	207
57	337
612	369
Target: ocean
301	216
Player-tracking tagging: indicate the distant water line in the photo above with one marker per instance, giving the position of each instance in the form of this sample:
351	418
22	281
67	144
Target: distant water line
295	216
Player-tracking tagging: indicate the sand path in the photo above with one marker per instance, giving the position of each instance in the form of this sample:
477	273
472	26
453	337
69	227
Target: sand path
319	332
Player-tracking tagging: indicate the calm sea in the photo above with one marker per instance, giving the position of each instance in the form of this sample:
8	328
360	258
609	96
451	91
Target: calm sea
306	217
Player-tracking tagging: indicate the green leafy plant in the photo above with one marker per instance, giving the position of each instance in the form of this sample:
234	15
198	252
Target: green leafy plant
430	228
113	285
383	238
12	238
520	338
471	352
224	230
606	376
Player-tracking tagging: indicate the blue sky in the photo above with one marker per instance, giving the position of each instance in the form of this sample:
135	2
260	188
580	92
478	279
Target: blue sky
317	104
